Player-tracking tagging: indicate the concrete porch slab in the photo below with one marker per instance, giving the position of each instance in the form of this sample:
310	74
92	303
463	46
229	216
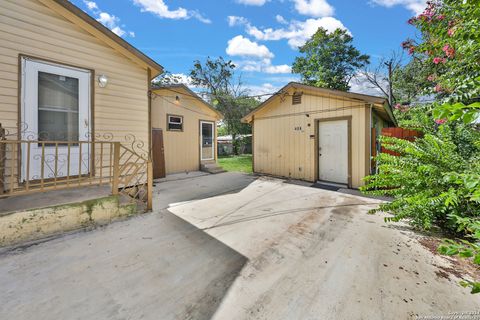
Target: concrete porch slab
52	198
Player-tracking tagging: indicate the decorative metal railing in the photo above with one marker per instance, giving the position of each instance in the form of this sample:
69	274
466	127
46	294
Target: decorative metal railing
28	166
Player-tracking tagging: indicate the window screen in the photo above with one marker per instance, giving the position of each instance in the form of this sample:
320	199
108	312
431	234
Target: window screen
175	123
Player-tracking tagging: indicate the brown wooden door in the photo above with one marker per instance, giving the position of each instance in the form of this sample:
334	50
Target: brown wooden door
158	154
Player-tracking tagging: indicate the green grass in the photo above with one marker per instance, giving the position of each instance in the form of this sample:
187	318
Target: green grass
242	163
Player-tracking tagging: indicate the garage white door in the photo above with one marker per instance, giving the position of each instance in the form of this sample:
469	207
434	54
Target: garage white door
333	151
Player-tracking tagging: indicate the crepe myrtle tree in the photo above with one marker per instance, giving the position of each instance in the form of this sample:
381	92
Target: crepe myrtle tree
329	60
435	180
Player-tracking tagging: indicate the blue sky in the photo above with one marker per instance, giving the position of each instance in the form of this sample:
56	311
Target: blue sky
260	36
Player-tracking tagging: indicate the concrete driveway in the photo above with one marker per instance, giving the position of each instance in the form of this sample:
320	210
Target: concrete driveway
317	254
230	246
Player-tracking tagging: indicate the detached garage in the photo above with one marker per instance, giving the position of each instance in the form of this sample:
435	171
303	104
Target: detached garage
315	134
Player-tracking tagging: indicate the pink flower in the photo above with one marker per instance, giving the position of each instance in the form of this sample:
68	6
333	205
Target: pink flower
451	32
411	50
440	121
412	20
440	17
401	108
431	77
438	88
449	51
407	44
438	60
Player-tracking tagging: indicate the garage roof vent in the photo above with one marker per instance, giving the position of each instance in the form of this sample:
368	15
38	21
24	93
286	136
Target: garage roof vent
297	98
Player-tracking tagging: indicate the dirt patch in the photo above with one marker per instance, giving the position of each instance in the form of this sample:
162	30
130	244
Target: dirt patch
460	268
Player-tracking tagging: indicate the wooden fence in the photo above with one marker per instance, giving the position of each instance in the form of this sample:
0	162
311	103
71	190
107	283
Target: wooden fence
400	133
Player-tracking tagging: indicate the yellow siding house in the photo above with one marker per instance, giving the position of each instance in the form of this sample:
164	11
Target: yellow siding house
66	81
184	129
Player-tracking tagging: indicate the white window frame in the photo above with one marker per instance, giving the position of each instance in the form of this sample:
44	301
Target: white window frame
213	140
169	116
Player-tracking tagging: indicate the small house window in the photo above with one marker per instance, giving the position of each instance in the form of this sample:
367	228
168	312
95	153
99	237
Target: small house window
175	123
297	98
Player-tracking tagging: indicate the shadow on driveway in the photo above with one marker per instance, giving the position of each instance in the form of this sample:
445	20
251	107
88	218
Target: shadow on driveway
155	266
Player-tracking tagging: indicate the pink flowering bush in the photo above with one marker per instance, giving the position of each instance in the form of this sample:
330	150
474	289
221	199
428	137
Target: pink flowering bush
435	180
451	36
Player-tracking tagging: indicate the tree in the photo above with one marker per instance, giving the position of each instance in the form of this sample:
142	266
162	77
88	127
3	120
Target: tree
410	81
450	44
435	180
167	78
226	93
382	76
329	60
398	82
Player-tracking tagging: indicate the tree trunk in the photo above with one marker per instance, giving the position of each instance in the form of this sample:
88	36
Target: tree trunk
234	144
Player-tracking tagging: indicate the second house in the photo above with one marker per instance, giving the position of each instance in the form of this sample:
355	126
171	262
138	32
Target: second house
184	131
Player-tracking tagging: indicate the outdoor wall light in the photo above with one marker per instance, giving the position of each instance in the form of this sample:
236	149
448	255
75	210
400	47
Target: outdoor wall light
102	81
177	98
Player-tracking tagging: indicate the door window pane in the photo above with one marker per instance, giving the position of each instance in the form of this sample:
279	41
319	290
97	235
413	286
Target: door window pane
58	107
207	134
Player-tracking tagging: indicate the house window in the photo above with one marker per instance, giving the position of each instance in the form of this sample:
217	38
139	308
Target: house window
297	98
174	123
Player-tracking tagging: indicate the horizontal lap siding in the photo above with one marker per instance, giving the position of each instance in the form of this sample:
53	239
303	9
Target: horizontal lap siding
28	27
281	150
182	149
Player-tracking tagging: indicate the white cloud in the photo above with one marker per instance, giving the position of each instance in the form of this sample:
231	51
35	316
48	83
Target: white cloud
244	47
91	5
264	90
257	3
236	21
284	68
263	65
259	56
108	20
281	19
297	32
416	6
160	9
314	8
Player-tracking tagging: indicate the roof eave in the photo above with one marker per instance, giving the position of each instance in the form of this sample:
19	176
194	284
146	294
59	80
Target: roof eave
92	25
191	93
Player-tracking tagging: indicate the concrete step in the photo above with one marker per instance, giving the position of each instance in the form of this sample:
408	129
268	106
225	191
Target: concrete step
211	168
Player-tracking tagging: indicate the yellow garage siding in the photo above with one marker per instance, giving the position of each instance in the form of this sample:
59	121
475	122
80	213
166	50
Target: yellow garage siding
182	149
29	28
285	137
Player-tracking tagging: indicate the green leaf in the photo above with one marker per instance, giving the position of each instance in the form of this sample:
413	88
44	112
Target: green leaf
476	260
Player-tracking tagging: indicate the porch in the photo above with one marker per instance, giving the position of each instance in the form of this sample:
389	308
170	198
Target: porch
50	187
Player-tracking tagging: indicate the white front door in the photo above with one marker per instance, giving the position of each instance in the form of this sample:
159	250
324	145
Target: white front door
55	108
207	140
333	151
